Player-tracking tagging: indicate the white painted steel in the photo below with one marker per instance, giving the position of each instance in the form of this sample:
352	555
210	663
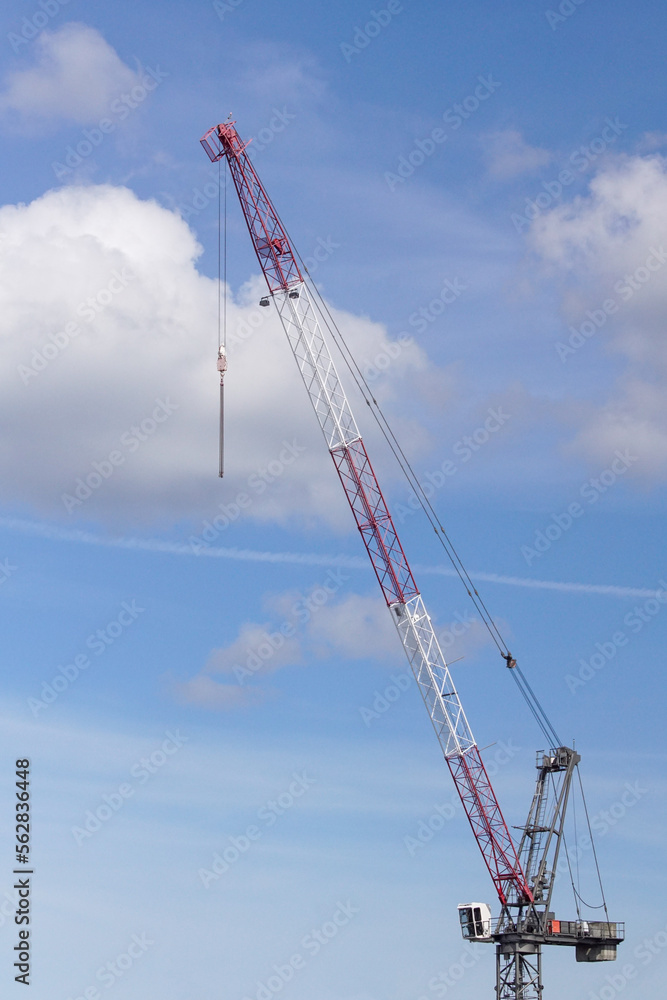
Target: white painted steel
432	674
317	367
335	417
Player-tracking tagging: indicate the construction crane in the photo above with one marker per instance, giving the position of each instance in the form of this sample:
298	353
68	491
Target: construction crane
524	878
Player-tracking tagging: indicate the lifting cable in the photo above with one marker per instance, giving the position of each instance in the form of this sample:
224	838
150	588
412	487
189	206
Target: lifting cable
413	481
569	868
222	309
361	382
603	904
359	379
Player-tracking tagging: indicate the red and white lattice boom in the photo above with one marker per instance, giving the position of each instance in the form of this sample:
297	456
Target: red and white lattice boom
292	298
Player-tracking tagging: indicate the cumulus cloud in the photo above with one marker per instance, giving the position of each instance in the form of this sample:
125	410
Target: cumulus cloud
109	345
607	250
75	77
205	692
303	628
284	652
508	155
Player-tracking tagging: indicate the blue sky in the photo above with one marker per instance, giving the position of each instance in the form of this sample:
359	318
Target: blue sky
481	194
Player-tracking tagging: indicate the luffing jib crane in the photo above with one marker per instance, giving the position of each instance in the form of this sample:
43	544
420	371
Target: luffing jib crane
523	879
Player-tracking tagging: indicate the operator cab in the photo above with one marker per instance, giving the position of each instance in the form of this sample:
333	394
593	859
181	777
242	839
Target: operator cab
475	921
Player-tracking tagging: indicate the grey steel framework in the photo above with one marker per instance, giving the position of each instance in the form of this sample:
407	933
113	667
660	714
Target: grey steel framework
523	928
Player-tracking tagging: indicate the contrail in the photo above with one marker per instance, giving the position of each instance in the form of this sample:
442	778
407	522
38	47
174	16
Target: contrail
58	534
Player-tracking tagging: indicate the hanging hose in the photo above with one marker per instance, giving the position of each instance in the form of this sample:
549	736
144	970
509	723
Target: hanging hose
222	319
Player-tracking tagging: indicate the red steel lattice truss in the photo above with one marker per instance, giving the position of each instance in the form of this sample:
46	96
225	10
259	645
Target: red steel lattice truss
291	296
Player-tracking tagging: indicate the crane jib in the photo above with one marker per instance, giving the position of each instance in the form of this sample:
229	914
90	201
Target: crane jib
414	626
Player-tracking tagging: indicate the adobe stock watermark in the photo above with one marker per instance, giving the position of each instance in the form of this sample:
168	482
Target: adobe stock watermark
580	158
108	974
140	772
257	484
7	569
645	953
602	822
453	117
225	7
87	310
253	321
120	108
130	441
383	700
267	816
32	26
301	613
440	984
219	179
615	982
452	288
276	124
443	812
8	907
400	683
591	492
98	643
378	21
626	288
420	320
249	324
463	450
566	9
634	621
312	943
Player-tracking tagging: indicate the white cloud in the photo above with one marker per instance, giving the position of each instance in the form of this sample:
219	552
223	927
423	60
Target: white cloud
304	627
75	78
279	651
609	246
318	625
508	154
205	692
143	327
357	627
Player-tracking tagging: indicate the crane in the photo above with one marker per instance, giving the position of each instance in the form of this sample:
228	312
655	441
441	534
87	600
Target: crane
524	877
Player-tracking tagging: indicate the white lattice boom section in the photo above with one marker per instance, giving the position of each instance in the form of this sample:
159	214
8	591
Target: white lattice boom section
415	629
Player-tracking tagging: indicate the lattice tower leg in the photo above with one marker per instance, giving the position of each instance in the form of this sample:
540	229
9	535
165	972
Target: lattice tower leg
518	975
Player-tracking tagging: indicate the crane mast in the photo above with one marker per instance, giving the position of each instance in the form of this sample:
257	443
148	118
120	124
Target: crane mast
289	292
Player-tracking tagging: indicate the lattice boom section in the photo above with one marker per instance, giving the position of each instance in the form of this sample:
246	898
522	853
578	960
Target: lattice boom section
268	236
432	674
375	523
300	320
316	366
488	825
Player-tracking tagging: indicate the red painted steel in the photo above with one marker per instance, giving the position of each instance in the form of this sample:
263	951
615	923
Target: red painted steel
488	825
374	522
370	511
269	238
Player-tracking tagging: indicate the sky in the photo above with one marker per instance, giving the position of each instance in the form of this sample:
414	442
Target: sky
235	790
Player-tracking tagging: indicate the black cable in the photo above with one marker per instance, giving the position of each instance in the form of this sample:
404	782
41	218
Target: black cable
595	854
532	700
535	710
412	479
569	866
219	249
424	502
224	318
522	683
